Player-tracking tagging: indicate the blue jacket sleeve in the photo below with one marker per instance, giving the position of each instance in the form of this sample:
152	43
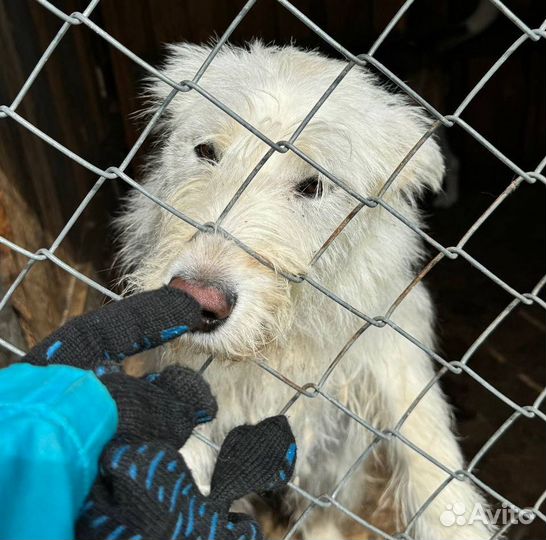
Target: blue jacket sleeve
54	423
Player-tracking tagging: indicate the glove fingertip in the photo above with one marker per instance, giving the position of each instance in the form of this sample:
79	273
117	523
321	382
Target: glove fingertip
284	450
255	459
191	389
176	302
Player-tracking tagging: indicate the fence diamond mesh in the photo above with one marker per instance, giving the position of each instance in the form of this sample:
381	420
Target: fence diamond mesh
316	390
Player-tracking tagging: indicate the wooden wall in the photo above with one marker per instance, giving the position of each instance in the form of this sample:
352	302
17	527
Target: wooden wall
40	188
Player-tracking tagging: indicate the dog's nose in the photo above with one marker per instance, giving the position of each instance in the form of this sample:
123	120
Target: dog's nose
216	304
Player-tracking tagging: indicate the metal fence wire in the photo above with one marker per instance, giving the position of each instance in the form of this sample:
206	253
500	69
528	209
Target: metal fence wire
315	390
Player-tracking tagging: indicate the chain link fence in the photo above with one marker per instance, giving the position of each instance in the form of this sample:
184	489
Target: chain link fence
315	390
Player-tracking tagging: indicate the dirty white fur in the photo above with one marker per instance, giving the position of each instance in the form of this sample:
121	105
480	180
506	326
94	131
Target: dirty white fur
360	134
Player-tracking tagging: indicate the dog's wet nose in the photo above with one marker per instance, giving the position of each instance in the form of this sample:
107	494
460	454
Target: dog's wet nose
216	304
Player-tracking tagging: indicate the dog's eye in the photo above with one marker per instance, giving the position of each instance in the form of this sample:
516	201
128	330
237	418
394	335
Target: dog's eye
207	152
309	188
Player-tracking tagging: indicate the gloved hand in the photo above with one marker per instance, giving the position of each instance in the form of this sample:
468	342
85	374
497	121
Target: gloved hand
148	493
145	490
120	329
163	405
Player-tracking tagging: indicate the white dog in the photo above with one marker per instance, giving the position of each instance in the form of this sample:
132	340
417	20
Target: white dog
286	213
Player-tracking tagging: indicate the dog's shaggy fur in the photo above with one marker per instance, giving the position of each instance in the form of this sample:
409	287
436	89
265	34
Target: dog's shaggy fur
361	134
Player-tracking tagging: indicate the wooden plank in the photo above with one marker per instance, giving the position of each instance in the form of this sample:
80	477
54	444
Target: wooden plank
39	300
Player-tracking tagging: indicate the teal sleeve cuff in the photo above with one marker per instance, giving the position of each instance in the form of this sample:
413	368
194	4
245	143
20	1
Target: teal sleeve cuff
54	424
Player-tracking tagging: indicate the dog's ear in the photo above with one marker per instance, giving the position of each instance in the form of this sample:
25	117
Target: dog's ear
425	168
390	133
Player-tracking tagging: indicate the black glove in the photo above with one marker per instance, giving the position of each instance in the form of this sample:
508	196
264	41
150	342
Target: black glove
120	329
162	409
148	493
163	405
